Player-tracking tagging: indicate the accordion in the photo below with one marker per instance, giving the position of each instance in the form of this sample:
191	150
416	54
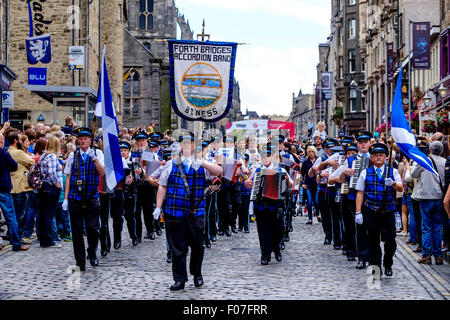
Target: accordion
358	165
269	184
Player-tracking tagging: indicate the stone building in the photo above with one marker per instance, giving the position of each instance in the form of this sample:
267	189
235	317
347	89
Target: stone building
302	112
66	92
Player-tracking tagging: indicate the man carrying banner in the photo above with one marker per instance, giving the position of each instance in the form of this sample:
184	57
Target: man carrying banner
83	169
181	189
376	192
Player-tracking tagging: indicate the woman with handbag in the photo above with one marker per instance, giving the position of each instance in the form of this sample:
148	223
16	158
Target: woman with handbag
51	176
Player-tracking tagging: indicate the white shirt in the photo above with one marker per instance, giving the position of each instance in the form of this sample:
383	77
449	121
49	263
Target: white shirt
69	162
167	169
361	184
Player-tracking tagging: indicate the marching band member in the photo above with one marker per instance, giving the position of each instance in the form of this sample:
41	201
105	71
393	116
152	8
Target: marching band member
363	143
83	169
269	213
376	197
327	159
349	222
229	195
181	189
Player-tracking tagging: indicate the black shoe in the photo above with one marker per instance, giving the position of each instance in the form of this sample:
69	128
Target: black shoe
158	233
82	268
240	229
228	232
337	247
282	246
177	286
117	244
162	225
286	238
208	245
309	222
198	281
213	238
152	236
278	257
104	252
93	261
264	262
246	230
220	233
290	229
135	242
139	240
233	229
327	241
361	264
351	257
388	271
169	257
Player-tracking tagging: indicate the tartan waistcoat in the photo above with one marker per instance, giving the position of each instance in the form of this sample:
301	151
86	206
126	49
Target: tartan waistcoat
88	175
177	202
322	186
374	190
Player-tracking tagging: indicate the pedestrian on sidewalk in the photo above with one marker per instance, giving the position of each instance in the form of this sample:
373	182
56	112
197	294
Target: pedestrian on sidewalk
431	205
8	165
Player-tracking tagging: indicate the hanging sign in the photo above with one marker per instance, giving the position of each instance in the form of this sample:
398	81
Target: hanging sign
421	45
201	78
76	58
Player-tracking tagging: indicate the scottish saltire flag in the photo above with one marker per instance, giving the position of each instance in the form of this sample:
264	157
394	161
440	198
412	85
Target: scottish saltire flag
105	110
401	132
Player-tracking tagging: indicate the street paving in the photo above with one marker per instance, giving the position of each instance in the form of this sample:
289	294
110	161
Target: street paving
231	270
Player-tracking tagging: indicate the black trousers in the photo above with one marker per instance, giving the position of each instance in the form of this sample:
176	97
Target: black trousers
270	229
326	215
90	216
129	204
145	203
228	203
418	219
244	213
111	204
289	213
182	233
210	217
349	226
362	233
381	225
336	219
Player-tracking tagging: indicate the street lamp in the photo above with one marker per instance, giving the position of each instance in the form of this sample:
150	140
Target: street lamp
442	90
427	100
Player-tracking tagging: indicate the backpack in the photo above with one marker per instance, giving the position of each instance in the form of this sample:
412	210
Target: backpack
34	175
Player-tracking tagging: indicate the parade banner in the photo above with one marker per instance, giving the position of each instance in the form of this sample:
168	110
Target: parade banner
421	45
248	125
201	78
390	61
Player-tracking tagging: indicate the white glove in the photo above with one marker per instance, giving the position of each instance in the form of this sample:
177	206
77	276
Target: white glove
359	218
65	205
91	154
157	213
197	164
388	182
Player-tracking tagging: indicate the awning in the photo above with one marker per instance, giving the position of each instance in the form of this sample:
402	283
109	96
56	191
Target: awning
50	92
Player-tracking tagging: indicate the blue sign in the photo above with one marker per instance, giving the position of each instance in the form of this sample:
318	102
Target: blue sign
37	76
39	49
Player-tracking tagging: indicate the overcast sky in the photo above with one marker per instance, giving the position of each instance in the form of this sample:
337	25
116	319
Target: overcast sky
282	39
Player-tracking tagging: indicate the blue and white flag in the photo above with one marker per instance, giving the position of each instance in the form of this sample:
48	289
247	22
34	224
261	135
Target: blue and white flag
105	109
401	132
39	49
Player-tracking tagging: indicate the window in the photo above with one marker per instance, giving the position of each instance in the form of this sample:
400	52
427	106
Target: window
341	5
136	107
136	85
339	38
351	2
352	61
363	102
148	46
341	67
145	14
363	66
351	28
353	100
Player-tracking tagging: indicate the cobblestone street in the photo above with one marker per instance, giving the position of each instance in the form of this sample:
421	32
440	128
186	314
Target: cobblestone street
231	270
